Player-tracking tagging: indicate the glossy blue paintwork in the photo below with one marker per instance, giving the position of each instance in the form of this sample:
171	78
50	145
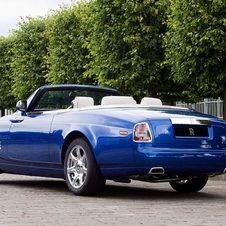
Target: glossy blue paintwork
34	143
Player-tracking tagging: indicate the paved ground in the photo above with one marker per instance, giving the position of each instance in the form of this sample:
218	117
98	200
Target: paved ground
45	202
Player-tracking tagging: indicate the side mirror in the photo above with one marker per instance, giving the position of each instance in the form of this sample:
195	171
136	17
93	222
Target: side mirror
21	105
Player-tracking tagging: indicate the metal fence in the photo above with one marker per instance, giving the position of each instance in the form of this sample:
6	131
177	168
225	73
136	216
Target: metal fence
7	112
208	106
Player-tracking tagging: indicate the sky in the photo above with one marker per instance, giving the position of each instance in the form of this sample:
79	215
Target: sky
11	11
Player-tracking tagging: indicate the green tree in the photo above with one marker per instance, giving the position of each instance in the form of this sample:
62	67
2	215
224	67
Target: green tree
196	46
126	47
29	65
6	99
67	53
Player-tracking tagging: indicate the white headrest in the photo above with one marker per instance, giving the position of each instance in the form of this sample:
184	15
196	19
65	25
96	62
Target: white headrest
80	102
117	100
150	101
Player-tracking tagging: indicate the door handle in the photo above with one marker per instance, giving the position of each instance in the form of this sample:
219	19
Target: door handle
16	120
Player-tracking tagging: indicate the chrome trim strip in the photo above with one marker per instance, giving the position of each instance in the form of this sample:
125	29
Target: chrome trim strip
190	121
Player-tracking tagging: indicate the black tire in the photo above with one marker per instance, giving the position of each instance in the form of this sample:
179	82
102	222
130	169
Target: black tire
82	174
189	185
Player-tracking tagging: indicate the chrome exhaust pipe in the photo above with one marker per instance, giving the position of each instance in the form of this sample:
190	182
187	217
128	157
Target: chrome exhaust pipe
156	170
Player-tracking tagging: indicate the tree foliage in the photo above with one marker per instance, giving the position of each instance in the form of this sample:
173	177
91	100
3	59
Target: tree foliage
196	45
29	49
67	53
171	49
6	98
126	46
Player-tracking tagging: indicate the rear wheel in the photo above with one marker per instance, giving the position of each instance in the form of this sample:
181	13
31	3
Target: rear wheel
82	174
189	185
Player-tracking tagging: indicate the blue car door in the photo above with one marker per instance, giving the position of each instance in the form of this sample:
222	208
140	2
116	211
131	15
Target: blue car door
5	125
29	137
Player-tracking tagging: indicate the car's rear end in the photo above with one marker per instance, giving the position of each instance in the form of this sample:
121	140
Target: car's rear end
177	144
155	144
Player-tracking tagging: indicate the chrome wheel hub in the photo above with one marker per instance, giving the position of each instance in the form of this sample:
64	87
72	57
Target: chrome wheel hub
77	166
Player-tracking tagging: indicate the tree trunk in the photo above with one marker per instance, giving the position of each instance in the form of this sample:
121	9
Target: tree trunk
154	93
224	101
2	112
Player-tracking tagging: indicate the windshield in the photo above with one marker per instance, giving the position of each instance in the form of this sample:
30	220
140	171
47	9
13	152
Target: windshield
62	99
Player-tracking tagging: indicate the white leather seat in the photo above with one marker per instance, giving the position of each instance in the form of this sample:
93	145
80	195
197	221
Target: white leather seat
80	102
109	100
150	101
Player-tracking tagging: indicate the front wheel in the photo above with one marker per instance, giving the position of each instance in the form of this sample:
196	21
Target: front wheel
82	174
189	185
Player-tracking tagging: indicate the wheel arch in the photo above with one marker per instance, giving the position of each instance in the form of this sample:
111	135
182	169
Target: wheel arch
68	139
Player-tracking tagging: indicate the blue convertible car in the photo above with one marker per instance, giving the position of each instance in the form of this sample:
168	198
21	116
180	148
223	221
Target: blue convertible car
88	134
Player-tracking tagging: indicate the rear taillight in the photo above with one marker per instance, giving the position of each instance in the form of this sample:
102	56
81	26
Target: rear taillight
141	132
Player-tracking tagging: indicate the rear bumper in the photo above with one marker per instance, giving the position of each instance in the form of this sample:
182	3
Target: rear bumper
172	163
188	161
